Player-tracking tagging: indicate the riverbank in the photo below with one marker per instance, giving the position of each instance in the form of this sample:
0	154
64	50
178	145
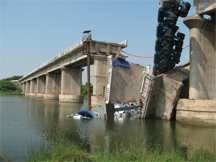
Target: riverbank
70	152
11	93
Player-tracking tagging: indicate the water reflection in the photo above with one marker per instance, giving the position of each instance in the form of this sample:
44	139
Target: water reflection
196	137
25	121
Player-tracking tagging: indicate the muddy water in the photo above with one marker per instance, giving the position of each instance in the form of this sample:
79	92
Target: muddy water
29	122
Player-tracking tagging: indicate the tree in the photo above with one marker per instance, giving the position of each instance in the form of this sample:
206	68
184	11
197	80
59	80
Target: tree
14	77
84	89
6	85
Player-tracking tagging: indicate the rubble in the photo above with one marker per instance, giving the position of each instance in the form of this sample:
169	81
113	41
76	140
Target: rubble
160	94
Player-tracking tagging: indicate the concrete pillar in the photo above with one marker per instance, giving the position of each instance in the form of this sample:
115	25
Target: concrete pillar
53	86
71	82
27	88
33	84
202	58
23	88
99	80
41	84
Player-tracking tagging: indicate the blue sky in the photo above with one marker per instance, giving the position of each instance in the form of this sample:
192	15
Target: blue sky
33	32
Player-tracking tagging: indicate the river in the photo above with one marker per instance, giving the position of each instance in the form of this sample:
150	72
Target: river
27	122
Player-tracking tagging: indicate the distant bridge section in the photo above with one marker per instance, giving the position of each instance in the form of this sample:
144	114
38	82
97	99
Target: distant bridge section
61	77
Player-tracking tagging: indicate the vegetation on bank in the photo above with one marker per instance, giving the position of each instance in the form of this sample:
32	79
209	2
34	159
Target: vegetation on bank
5	157
84	89
132	149
125	151
13	88
8	87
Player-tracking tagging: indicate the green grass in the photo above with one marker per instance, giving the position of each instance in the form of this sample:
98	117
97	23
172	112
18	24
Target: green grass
5	157
120	151
126	151
11	93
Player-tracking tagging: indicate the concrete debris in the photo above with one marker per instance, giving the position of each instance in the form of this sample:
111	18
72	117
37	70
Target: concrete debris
157	98
119	110
127	113
160	94
69	116
123	84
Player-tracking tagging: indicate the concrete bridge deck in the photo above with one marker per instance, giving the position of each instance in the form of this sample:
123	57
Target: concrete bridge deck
61	77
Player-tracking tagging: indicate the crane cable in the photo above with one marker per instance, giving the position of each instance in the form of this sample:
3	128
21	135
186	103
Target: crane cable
147	56
138	56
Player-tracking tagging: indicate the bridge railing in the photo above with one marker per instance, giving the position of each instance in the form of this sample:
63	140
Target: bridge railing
65	52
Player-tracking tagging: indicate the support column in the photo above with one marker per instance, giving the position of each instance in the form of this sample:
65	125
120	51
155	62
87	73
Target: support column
27	88
71	82
202	58
23	87
53	85
33	88
41	85
99	80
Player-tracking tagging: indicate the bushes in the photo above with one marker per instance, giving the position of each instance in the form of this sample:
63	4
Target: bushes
14	77
7	86
84	89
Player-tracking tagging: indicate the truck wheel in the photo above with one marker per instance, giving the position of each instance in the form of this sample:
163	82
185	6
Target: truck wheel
183	12
176	12
171	20
164	63
181	35
188	5
168	36
166	50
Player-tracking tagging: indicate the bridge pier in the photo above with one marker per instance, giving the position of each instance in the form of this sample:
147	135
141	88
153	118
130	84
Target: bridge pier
33	85
99	80
41	85
201	105
202	58
53	85
71	82
27	88
24	88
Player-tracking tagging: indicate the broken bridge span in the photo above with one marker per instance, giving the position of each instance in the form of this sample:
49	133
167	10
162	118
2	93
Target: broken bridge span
61	77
